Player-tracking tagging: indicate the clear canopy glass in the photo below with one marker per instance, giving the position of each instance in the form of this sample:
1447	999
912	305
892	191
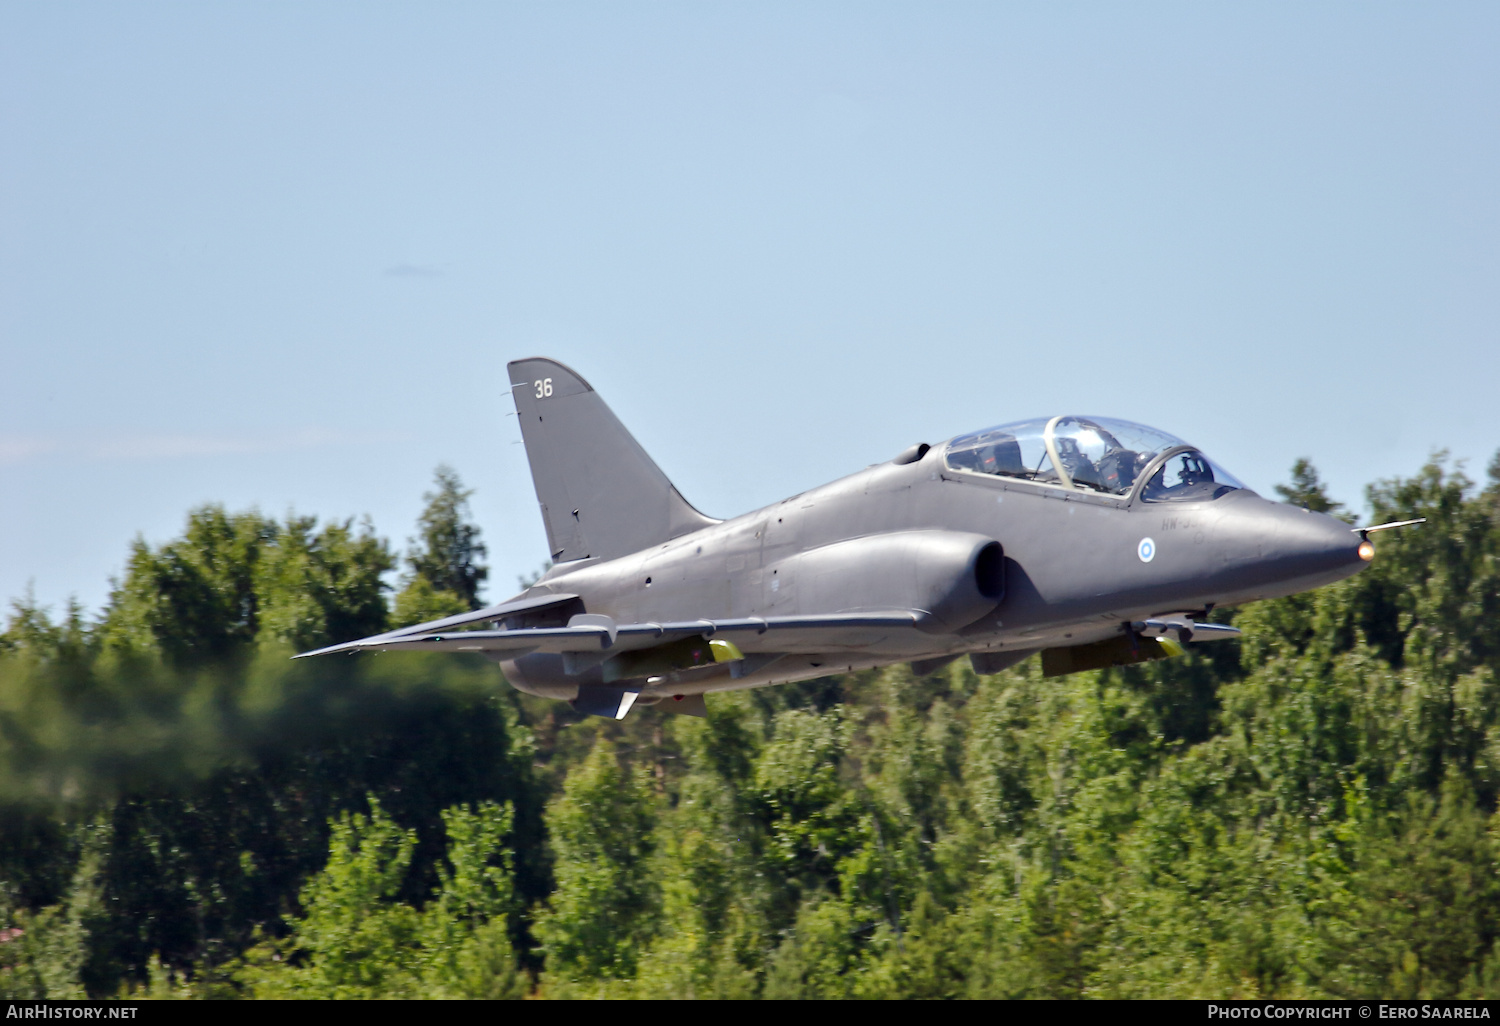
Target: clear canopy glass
1097	454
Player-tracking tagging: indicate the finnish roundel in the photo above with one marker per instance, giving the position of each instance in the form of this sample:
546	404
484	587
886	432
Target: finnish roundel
1146	550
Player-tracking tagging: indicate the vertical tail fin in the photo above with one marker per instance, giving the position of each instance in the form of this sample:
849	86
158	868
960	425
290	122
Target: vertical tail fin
601	495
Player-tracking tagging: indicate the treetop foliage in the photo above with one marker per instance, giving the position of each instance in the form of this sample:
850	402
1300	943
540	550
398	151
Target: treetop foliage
447	554
235	580
1307	490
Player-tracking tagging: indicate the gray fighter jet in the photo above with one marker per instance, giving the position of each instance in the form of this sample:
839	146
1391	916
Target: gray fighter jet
1094	542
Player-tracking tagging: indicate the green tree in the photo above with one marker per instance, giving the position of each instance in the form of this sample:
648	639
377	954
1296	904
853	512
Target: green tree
233	579
812	819
29	628
1410	908
322	587
1432	595
604	911
420	602
42	954
1308	491
194	598
357	940
446	559
712	940
1305	813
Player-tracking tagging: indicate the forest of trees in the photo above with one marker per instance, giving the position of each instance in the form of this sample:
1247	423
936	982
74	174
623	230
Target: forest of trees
186	812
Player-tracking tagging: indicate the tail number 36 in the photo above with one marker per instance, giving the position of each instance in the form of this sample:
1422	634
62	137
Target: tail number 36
543	387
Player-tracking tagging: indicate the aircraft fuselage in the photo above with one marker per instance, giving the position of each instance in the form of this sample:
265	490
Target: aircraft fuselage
1096	542
1076	566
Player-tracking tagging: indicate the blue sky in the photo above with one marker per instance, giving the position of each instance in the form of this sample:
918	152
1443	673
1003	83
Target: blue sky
278	254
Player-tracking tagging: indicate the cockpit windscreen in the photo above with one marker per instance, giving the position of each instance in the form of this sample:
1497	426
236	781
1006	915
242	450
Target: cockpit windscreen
1097	454
1188	476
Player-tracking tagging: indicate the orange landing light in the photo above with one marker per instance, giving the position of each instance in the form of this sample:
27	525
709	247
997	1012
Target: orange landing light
1366	551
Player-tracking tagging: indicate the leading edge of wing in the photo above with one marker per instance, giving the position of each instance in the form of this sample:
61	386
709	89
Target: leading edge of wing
495	612
593	633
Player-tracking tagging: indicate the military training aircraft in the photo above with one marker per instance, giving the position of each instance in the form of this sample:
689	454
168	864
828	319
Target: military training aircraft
1095	542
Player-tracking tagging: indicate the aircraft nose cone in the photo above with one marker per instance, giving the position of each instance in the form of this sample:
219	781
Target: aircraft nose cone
1318	542
1291	549
1272	549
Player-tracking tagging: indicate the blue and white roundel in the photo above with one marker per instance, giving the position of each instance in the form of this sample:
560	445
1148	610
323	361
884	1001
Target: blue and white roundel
1146	550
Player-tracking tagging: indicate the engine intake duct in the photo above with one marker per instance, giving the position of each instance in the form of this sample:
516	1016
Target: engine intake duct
949	578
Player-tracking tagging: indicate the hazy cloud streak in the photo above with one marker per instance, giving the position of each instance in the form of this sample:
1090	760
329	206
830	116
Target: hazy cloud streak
21	449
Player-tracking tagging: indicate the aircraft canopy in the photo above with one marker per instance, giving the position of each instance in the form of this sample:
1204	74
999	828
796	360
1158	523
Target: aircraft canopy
1096	454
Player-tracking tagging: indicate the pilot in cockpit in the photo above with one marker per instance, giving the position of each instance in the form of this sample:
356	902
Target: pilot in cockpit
1004	457
1077	463
1093	454
1118	469
1194	470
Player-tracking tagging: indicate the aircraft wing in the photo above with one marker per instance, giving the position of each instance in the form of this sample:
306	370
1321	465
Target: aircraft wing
514	607
588	632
